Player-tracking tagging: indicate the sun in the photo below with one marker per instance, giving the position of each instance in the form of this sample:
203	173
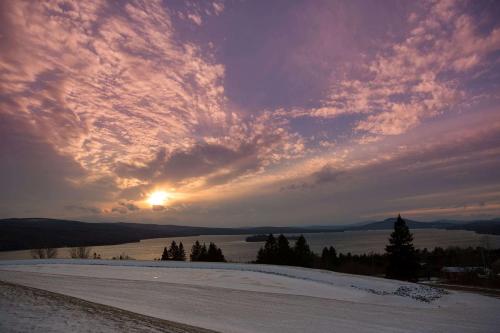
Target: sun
158	198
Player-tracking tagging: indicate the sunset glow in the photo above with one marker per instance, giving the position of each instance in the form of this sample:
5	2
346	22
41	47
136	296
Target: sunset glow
252	112
158	198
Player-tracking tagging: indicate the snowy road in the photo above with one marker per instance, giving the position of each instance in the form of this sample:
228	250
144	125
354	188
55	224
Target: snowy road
281	299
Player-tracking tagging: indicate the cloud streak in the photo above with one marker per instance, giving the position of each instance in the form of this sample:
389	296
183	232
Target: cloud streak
419	77
103	102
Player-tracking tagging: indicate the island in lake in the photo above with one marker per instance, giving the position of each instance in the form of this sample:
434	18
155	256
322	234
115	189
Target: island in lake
263	238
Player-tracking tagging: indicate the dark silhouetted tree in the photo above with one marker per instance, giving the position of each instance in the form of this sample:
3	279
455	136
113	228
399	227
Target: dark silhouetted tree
164	255
284	252
201	253
302	255
329	258
195	251
214	253
182	253
403	262
278	252
175	253
269	253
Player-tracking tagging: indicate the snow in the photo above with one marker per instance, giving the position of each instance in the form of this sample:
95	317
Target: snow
32	310
259	298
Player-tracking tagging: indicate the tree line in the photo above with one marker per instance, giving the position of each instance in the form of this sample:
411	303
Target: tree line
79	252
400	261
277	251
199	252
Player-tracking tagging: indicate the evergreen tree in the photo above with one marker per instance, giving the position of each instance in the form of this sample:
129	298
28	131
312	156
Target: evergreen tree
182	253
329	258
268	254
403	263
284	252
214	253
173	252
260	256
325	256
220	257
302	255
195	251
164	256
203	253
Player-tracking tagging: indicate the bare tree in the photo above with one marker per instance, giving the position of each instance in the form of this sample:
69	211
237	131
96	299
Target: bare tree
48	252
37	253
80	252
51	252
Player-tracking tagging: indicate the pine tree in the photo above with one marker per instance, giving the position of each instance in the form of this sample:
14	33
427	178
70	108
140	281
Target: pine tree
203	253
329	258
302	255
261	254
173	252
220	257
269	253
284	252
325	257
195	251
182	253
403	263
164	256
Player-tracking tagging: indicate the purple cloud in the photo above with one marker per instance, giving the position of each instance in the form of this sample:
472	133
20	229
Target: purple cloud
101	103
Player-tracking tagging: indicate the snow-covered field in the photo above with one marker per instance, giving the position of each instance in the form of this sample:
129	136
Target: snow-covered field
259	298
24	309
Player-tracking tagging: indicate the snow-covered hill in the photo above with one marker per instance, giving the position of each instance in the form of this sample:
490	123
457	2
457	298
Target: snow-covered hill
259	298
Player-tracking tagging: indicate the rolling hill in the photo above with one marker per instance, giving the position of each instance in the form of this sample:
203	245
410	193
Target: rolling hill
28	233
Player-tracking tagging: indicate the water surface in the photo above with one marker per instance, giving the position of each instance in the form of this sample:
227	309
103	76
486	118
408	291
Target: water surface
236	249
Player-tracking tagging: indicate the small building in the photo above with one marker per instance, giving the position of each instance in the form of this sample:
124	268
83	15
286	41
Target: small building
454	273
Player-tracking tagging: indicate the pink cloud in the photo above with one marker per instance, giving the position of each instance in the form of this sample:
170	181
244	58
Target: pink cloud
413	79
108	89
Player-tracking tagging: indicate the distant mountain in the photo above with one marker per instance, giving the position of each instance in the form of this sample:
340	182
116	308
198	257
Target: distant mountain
389	224
28	233
481	227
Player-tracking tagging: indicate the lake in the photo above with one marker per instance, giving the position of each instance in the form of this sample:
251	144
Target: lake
236	249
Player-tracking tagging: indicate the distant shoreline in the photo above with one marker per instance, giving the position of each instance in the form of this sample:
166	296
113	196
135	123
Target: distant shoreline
25	234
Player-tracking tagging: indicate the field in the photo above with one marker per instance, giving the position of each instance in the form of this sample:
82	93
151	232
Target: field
255	298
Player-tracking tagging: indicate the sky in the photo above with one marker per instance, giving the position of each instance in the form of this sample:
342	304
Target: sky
242	113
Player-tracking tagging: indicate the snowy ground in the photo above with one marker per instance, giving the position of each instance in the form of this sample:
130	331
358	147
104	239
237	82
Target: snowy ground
259	298
24	309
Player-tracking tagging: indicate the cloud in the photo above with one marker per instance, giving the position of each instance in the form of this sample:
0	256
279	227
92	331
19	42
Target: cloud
195	18
129	205
218	7
220	161
108	82
417	78
33	174
102	102
327	174
83	209
109	86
